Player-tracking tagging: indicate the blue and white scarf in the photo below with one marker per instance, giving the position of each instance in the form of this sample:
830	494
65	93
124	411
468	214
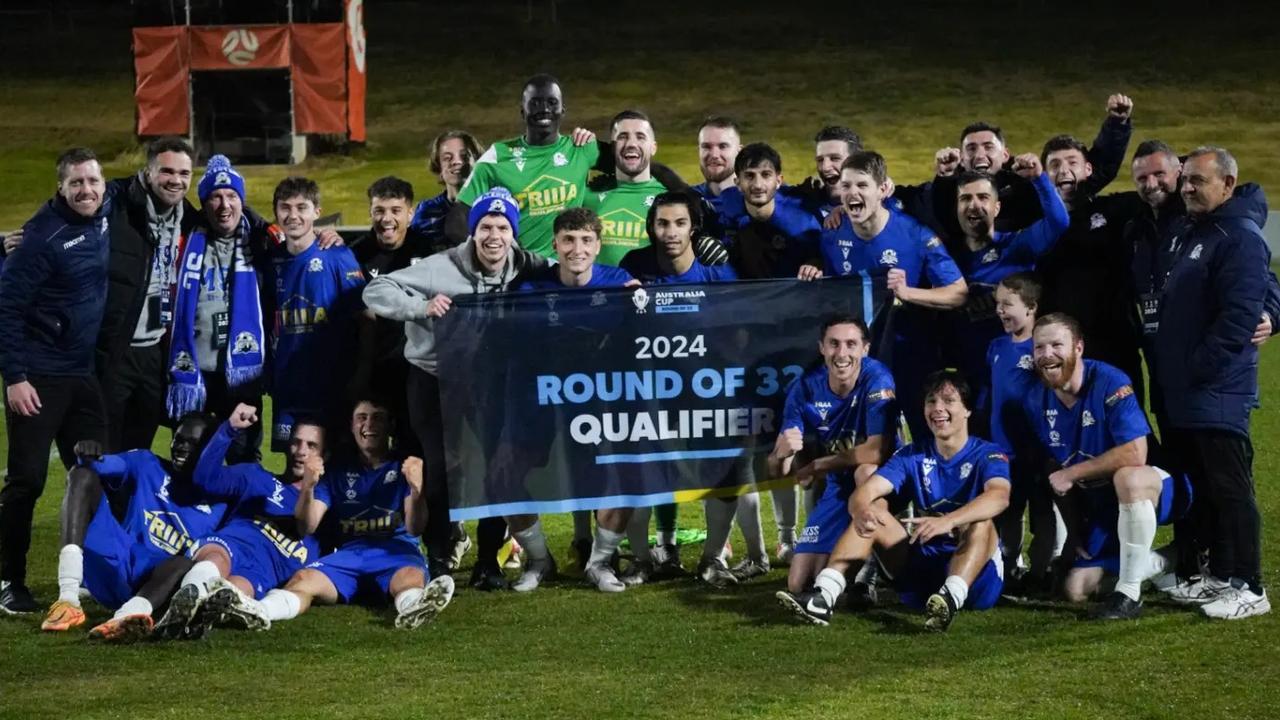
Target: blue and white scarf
245	349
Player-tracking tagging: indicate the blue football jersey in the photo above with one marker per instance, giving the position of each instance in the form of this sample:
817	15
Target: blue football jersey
1013	375
163	516
904	243
642	264
428	219
1105	415
368	502
255	496
841	422
936	485
602	276
317	294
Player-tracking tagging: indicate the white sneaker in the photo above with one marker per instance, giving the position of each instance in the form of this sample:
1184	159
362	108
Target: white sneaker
1236	604
435	597
601	575
1198	592
534	574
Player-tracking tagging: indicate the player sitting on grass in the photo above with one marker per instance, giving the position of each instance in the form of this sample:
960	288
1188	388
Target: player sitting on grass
958	484
380	511
260	547
165	512
847	405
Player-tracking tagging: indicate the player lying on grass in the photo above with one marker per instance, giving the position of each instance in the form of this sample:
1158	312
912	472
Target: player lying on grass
958	484
260	547
380	512
164	511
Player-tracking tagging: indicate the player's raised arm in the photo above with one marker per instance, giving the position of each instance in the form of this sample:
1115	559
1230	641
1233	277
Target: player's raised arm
415	503
311	506
210	473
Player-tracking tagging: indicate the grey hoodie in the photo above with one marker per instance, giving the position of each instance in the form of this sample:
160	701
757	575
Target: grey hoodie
404	294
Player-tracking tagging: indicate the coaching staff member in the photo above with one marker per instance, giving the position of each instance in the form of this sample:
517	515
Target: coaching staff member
51	298
1207	369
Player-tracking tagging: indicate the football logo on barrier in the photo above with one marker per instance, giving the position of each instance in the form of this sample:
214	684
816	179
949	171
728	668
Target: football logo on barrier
240	46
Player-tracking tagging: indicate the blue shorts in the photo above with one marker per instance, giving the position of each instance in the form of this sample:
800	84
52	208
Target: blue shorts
1100	539
367	565
928	567
255	557
115	563
827	522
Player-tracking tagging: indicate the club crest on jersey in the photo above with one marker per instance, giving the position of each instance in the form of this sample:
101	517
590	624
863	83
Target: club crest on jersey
640	298
1123	392
183	362
848	266
1195	251
390	477
1097	220
991	256
1055	438
966	470
889	257
559	160
316	265
1086	419
245	343
1025	363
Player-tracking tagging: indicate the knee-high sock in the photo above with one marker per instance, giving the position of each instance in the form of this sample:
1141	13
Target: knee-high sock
70	573
201	573
638	534
581	525
281	605
534	543
605	545
719	523
784	513
748	516
1137	530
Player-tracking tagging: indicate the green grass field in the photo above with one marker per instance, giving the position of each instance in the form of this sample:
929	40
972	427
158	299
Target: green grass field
907	78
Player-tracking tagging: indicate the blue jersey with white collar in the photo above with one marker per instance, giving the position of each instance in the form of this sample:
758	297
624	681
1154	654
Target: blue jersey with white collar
1013	375
317	295
841	422
1106	414
368	502
257	498
642	264
602	276
162	516
937	485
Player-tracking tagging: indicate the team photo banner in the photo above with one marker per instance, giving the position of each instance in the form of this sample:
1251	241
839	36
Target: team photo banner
627	397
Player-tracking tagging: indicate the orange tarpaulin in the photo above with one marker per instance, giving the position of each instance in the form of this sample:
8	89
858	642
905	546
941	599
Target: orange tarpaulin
327	72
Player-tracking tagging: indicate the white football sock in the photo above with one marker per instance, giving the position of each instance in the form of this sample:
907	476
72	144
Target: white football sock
748	516
638	534
134	606
281	605
581	525
1137	530
534	543
719	524
830	583
784	513
200	574
605	545
958	588
664	537
70	573
407	598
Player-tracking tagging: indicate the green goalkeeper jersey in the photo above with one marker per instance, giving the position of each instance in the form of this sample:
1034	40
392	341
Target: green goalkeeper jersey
545	180
622	212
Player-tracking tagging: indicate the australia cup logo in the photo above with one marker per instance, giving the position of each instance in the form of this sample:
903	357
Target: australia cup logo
240	47
640	299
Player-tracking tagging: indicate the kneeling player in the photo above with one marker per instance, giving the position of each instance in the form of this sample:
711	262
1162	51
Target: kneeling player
959	484
848	404
164	513
1086	417
260	547
381	511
